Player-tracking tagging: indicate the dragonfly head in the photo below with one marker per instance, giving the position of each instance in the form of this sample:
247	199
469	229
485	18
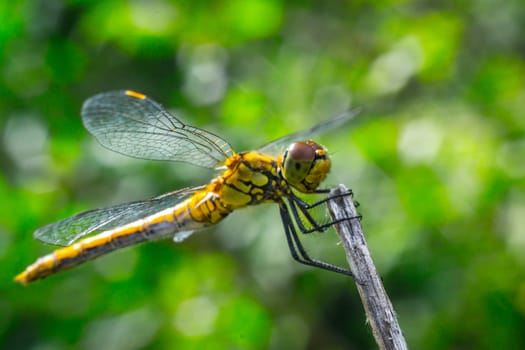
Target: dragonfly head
305	165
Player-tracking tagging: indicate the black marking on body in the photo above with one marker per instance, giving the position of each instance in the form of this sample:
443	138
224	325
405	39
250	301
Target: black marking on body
160	229
270	190
127	240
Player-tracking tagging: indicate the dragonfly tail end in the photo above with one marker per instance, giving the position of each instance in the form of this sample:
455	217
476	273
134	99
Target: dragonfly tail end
22	278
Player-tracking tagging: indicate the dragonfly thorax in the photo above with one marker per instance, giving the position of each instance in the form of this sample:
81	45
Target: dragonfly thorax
305	165
250	178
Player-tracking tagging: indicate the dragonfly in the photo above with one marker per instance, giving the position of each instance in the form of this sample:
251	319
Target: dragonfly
133	124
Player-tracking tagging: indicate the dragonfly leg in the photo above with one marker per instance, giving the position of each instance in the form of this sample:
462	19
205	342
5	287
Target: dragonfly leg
297	249
324	200
293	207
296	202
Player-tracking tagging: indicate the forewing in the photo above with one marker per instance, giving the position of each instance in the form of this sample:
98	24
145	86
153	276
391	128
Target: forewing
69	230
276	146
135	125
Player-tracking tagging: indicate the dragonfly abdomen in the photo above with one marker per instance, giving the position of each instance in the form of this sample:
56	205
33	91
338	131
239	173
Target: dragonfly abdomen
87	249
198	211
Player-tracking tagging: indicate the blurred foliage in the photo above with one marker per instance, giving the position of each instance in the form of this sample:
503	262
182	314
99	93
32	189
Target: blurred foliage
436	161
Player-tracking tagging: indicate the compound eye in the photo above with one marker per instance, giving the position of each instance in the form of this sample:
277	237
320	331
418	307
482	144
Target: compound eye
297	161
301	152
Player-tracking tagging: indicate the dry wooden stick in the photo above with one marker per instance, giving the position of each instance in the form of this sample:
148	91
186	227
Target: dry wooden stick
378	308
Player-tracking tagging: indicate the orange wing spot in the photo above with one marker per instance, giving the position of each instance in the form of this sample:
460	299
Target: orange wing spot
135	94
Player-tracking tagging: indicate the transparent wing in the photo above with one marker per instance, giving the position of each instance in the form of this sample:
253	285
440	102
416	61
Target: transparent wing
69	230
276	146
135	125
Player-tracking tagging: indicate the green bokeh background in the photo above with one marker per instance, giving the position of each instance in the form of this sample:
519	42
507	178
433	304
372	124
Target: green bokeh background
436	161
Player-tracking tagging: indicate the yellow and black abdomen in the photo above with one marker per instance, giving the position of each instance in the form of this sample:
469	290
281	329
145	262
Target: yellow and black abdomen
200	210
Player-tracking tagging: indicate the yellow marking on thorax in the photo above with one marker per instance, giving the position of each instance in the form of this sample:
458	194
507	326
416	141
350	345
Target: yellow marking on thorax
250	179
